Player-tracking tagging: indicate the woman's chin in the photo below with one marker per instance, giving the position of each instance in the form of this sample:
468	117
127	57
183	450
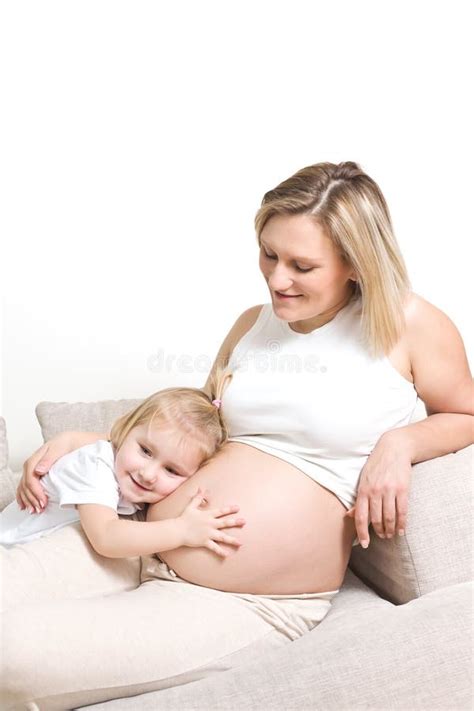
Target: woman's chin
289	311
293	303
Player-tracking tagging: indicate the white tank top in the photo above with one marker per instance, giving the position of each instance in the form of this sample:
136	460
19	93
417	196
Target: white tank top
316	400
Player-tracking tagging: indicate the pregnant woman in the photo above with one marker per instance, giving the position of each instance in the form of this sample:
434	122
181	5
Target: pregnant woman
326	376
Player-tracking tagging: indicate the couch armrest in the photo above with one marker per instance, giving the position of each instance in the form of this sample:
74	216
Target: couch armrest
437	548
8	484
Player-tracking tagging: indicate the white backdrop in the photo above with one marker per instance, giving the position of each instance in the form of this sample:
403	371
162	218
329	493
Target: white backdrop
139	138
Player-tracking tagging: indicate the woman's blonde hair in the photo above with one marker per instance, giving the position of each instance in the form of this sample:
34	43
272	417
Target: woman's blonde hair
349	206
190	410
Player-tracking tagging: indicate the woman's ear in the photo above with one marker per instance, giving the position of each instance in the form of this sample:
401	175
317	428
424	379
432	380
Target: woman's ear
353	276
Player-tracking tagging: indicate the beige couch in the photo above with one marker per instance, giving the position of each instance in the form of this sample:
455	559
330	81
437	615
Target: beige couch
399	634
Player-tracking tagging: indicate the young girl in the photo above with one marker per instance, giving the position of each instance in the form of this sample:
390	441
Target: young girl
152	450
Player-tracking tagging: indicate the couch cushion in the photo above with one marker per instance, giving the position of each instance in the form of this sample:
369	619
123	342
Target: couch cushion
55	417
3	445
436	550
354	596
8	480
8	483
413	656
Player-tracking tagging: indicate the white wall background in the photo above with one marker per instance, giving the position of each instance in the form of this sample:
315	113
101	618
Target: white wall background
139	137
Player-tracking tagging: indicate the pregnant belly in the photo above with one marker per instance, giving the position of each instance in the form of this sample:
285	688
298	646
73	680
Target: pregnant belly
295	540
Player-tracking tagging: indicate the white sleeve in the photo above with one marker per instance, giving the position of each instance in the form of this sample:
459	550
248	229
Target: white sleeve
86	476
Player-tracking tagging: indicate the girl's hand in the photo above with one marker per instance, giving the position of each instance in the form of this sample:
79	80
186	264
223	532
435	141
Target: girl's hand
30	494
204	528
382	496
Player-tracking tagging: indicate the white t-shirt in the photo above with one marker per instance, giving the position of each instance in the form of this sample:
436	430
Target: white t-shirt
85	476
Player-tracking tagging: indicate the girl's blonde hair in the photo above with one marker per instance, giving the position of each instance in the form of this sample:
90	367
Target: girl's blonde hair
349	206
190	410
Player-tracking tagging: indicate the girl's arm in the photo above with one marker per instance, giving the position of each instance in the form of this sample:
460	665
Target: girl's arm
114	537
30	494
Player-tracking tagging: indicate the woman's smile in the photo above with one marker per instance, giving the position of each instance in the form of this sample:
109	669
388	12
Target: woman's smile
286	296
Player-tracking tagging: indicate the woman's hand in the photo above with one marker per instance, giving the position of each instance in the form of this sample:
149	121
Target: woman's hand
202	528
30	494
382	496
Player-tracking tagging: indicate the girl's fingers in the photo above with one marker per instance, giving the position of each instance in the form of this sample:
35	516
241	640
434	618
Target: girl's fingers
29	500
216	549
19	499
229	522
203	493
198	499
230	540
29	491
226	511
44	464
37	502
34	491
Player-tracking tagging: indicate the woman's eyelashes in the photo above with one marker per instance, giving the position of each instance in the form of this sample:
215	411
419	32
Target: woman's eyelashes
298	268
303	269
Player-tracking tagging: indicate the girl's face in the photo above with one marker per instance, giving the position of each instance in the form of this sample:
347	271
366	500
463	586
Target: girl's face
298	260
153	462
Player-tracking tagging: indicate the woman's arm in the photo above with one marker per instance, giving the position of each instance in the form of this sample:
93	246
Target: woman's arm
30	494
437	435
443	381
113	537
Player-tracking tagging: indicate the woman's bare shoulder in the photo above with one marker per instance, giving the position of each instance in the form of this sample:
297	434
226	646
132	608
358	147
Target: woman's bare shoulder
438	357
421	314
242	325
248	317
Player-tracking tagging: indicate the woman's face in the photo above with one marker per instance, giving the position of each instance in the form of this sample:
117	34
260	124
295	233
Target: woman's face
299	262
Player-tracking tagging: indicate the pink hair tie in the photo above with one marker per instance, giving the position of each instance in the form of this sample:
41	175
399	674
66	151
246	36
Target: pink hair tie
217	403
